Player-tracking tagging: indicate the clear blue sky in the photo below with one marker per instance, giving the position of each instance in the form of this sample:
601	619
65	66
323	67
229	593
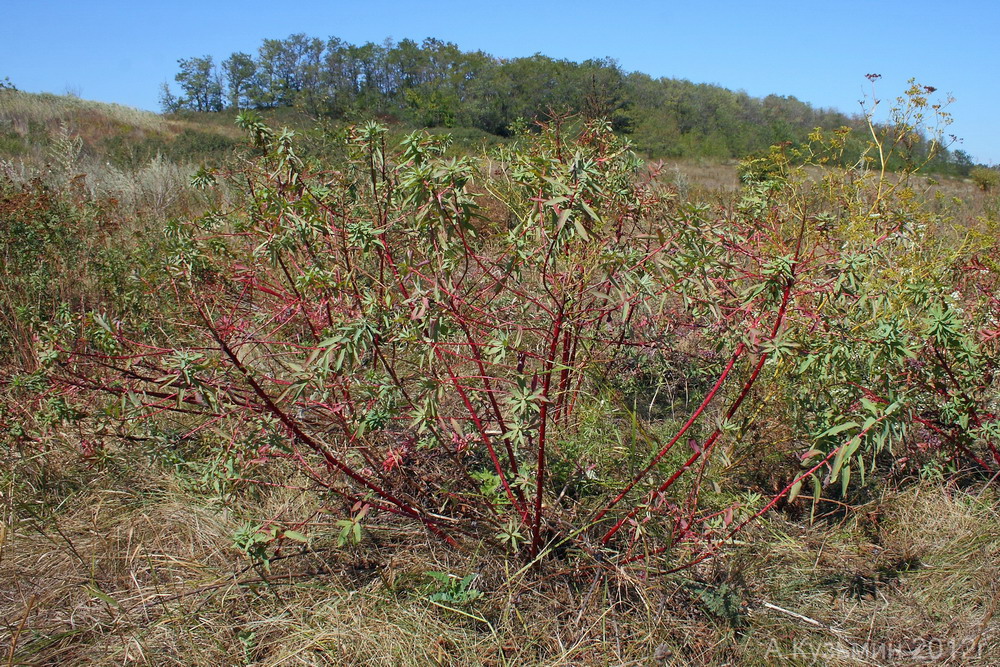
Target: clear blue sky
117	51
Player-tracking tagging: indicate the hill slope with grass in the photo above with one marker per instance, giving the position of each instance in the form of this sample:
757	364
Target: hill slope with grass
31	124
437	84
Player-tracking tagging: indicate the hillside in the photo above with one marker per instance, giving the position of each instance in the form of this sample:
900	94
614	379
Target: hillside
437	84
108	133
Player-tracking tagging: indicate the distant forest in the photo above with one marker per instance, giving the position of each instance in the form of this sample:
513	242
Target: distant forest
436	84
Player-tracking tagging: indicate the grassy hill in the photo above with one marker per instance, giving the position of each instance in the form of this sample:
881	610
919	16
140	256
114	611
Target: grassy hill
108	133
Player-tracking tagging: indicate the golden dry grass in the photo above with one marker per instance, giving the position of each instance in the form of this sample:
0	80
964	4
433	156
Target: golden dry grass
21	108
130	566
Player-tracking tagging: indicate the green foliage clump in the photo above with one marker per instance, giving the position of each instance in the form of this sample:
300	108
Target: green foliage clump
436	84
985	179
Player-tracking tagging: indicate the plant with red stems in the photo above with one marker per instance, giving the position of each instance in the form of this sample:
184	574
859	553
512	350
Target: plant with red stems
430	337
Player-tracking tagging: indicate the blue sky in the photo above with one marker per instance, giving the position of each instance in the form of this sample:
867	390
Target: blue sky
819	52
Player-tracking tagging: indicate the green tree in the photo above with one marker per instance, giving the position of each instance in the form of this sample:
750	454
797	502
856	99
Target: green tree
239	71
200	82
602	84
962	162
168	101
288	70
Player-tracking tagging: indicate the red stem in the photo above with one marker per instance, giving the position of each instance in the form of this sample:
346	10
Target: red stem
543	419
331	460
718	430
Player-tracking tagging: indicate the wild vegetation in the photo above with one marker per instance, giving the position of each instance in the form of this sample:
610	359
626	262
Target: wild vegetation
358	396
436	84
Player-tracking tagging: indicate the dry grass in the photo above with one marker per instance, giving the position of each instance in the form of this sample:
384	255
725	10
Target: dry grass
693	178
909	580
151	191
36	127
20	108
39	119
119	563
956	201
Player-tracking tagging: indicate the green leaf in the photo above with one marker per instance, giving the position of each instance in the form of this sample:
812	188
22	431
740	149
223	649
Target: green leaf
563	217
98	593
809	361
794	492
589	211
838	461
812	453
817	494
839	428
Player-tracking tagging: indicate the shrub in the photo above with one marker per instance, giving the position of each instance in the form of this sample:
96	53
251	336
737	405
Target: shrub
417	358
986	179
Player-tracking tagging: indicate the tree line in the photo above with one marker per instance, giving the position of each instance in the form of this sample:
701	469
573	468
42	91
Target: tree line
434	83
